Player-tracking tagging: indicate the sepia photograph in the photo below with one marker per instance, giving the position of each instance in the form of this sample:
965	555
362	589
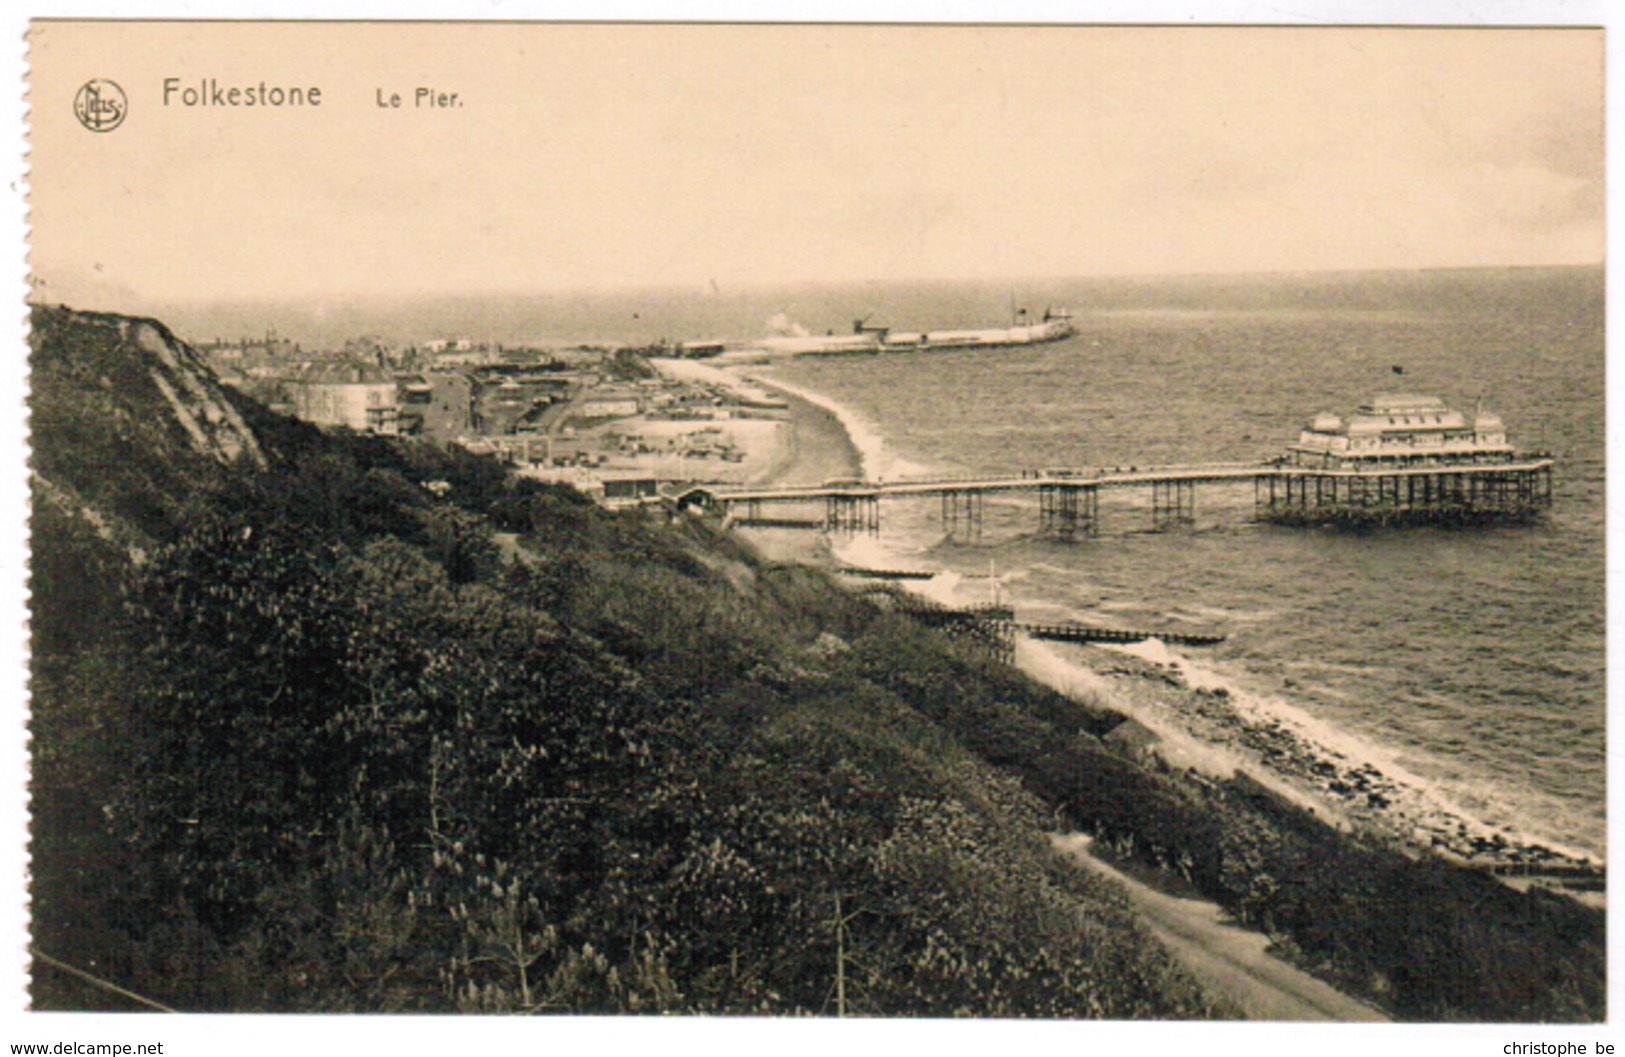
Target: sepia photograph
904	521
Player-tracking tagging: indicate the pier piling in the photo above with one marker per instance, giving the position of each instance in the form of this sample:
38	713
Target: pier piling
852	514
1064	510
1454	495
1173	504
962	513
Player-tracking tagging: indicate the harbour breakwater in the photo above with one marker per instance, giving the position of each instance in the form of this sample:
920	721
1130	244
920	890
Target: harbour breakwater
866	339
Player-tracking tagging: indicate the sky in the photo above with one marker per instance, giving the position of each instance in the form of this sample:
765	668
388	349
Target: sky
616	156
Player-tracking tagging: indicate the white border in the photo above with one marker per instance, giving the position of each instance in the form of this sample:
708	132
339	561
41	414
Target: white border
266	1035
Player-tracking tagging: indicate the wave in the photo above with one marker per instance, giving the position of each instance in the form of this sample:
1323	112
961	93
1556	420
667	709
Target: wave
1352	774
1275	741
878	463
1232	615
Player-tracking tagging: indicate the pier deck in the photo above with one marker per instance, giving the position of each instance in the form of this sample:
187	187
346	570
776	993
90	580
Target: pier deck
1068	499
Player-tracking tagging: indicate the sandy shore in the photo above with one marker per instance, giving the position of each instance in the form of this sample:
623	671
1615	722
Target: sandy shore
818	449
810	447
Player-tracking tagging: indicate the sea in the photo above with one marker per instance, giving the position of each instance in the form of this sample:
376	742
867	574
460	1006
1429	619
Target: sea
1470	662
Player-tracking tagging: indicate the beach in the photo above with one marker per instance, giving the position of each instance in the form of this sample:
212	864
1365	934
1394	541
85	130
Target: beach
809	445
819	447
816	447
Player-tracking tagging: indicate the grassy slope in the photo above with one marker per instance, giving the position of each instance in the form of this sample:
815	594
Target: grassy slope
339	757
320	750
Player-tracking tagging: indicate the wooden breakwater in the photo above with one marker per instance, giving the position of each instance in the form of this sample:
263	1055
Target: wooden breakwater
988	627
994	625
1089	633
884	574
1574	876
808	524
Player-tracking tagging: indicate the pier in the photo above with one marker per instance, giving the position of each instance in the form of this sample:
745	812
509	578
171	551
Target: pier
1068	500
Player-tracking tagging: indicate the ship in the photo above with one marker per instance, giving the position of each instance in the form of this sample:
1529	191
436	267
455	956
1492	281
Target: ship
1054	325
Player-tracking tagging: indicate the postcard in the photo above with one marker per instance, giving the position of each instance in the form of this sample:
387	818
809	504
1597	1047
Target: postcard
684	528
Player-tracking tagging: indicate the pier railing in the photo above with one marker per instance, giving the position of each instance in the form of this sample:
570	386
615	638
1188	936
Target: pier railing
1068	498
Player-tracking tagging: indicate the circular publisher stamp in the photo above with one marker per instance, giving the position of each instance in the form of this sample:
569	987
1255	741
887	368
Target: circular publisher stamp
100	105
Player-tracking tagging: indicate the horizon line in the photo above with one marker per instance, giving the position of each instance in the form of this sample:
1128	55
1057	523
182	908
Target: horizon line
711	287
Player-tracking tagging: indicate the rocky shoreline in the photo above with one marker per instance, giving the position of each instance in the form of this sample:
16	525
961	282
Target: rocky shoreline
1347	792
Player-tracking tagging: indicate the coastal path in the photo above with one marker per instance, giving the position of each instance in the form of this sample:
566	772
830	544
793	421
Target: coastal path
1228	961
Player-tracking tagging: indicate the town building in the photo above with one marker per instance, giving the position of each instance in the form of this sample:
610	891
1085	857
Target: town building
363	406
437	404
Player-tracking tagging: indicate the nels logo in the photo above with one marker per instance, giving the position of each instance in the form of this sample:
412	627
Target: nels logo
100	105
